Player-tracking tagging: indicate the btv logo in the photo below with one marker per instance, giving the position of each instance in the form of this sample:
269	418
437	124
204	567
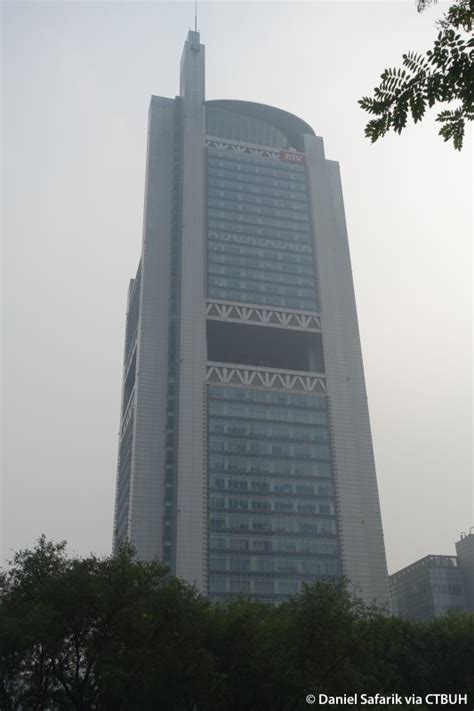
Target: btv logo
292	157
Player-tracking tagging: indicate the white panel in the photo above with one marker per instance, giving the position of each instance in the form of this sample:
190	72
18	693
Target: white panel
191	547
359	511
147	480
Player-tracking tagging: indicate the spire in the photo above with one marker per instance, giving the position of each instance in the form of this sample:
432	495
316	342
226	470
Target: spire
193	35
192	65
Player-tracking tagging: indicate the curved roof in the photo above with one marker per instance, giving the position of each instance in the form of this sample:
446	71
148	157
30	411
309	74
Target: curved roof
290	125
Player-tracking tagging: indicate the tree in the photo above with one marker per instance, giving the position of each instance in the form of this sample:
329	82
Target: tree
100	633
117	634
444	75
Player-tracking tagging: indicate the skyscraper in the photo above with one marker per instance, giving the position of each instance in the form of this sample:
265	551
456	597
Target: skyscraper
245	453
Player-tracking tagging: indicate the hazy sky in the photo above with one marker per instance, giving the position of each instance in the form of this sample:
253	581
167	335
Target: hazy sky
77	79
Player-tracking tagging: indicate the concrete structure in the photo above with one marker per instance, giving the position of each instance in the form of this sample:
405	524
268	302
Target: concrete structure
245	455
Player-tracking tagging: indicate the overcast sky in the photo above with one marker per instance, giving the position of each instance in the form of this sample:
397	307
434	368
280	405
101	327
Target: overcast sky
77	79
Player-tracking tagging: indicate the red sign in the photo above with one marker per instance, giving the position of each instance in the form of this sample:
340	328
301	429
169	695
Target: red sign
293	157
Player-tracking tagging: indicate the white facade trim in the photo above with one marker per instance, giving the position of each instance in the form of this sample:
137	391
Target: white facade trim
239	147
259	377
254	241
219	310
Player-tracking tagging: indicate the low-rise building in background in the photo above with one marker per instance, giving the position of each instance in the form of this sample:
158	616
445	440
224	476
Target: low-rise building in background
465	555
436	584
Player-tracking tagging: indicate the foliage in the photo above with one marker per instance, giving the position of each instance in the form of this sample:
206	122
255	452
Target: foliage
421	5
445	74
85	634
117	634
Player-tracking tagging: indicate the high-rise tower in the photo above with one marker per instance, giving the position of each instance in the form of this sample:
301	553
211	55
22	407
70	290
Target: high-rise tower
245	454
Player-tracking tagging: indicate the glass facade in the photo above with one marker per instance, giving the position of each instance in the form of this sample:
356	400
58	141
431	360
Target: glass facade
272	505
259	233
447	589
239	127
431	587
272	509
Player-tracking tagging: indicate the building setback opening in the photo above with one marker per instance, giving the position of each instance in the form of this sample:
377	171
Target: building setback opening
264	346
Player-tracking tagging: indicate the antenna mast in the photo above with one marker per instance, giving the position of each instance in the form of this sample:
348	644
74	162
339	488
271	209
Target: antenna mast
195	16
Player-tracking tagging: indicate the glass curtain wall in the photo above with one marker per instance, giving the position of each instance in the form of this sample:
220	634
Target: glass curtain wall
272	509
272	506
260	247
